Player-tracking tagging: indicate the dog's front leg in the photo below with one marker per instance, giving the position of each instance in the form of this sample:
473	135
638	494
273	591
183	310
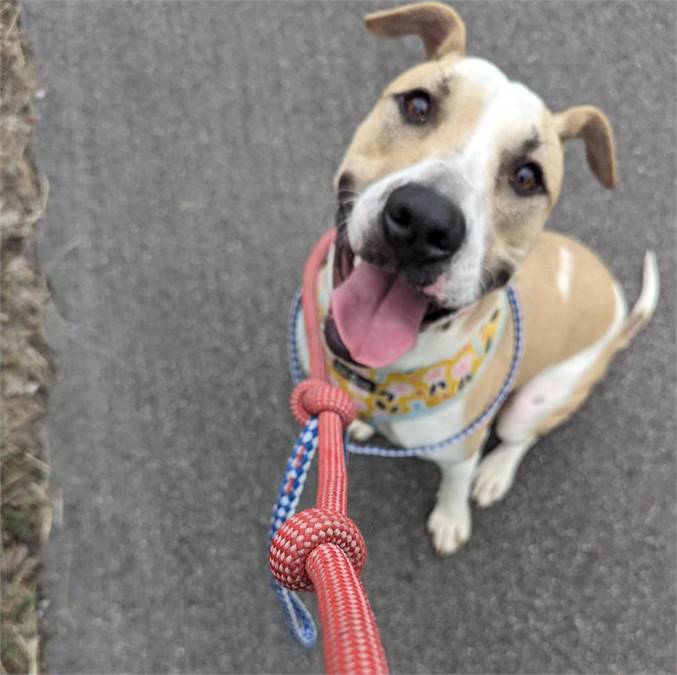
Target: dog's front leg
449	524
360	431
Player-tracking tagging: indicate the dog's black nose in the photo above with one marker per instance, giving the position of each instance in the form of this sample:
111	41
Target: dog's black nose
421	225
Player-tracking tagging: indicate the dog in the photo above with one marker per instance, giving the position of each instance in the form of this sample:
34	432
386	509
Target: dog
443	195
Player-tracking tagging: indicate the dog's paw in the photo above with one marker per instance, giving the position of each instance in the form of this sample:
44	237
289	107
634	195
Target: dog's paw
360	431
449	529
494	477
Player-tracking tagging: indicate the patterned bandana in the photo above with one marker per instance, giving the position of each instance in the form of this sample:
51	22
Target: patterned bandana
386	394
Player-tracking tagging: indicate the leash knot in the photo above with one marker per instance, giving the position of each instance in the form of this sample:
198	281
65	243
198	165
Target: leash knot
311	397
299	536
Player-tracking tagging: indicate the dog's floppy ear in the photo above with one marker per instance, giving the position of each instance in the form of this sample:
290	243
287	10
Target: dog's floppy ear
438	25
590	124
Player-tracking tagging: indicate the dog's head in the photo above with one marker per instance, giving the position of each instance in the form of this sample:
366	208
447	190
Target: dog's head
444	188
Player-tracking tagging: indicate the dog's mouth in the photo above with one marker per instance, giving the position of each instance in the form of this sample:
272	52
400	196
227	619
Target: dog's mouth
376	314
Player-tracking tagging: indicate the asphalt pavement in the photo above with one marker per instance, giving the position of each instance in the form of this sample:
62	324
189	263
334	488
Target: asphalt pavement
190	148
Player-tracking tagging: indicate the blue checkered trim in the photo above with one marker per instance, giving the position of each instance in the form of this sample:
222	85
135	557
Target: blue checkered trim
297	617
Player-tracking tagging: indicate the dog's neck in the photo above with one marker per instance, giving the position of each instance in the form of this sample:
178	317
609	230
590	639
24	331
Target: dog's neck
449	357
440	339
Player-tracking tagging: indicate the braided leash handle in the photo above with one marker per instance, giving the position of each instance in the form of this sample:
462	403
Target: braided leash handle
321	549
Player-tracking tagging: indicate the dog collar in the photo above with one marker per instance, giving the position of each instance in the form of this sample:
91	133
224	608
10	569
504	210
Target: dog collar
387	394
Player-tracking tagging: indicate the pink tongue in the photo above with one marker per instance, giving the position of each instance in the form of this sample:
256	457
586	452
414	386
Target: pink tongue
378	315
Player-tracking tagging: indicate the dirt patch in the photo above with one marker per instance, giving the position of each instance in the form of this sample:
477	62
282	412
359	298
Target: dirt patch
25	365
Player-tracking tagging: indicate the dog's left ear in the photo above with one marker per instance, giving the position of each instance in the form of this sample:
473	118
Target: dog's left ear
438	25
591	124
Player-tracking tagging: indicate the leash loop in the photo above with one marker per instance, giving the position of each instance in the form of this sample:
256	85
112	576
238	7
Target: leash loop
311	397
297	617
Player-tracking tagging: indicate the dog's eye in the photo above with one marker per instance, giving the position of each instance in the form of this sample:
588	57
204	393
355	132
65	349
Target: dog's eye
527	179
416	106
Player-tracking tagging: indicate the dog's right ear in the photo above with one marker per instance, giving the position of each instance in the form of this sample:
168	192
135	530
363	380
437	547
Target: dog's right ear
438	25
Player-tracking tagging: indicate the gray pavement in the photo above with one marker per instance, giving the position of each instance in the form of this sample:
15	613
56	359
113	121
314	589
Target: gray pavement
190	147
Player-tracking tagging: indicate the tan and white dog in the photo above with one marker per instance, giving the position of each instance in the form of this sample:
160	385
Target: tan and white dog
443	193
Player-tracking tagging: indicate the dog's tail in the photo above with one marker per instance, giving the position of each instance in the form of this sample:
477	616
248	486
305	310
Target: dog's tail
645	306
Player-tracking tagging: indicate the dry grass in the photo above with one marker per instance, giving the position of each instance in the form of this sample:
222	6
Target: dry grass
25	366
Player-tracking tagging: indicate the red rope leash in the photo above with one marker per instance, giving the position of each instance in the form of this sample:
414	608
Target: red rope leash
321	548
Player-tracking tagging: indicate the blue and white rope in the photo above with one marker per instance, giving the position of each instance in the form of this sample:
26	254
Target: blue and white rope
381	451
297	617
